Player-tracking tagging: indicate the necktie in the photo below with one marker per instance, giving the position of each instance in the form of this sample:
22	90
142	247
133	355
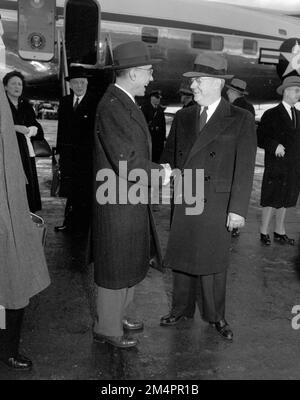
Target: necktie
294	117
203	118
76	103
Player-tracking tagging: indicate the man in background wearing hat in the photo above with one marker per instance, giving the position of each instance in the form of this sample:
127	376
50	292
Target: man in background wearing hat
236	92
186	95
124	235
155	117
220	139
279	135
76	115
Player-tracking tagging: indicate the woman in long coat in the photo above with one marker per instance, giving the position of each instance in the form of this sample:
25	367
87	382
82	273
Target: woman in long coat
23	269
279	135
27	130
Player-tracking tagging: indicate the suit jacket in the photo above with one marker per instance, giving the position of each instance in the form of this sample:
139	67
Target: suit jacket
74	140
225	151
243	103
123	234
281	180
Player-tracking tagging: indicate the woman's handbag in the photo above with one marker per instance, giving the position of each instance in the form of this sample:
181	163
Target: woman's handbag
41	148
41	226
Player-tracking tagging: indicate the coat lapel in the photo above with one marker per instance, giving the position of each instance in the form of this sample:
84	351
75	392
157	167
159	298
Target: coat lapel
219	121
135	112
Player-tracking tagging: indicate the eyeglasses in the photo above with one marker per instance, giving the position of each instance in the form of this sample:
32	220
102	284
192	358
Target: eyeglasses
149	70
200	79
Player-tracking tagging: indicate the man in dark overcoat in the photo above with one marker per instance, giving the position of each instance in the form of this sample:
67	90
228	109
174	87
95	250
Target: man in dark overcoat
76	117
155	117
279	134
220	139
124	235
236	92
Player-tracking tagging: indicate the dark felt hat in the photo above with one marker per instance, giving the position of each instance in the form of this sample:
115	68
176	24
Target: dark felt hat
209	65
132	54
156	93
185	89
77	72
238	85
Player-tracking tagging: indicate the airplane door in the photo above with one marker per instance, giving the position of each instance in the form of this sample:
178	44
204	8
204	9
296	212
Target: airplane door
36	29
82	31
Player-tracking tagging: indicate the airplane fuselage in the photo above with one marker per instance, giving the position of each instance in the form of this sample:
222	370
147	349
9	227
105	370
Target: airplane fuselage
176	31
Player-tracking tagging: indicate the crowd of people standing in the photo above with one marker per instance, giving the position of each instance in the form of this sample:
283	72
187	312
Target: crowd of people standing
209	133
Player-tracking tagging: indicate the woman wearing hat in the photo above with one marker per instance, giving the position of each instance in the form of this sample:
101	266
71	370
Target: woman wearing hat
279	135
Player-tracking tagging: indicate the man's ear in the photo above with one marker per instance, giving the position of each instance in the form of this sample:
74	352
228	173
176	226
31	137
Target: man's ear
132	74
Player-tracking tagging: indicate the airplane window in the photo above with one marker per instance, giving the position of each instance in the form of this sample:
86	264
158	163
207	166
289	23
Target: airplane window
249	46
149	35
207	42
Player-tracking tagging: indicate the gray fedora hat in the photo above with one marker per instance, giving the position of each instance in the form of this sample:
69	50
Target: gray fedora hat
209	65
288	82
238	85
132	54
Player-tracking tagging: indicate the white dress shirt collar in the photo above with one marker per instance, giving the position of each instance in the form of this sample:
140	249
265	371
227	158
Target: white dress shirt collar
288	108
79	99
125	91
211	108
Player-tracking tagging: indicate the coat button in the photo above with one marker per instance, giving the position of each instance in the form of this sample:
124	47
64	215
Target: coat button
207	178
212	154
180	153
204	200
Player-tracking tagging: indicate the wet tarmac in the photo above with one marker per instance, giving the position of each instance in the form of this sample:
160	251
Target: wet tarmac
263	286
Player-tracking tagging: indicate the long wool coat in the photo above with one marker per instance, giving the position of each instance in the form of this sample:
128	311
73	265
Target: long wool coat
281	180
74	143
124	235
25	115
225	149
23	269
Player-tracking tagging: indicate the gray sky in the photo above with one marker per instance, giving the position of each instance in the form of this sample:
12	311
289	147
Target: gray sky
284	5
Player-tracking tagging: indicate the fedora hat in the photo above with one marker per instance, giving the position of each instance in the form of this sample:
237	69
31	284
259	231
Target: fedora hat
156	93
132	54
185	89
288	82
238	85
209	65
77	72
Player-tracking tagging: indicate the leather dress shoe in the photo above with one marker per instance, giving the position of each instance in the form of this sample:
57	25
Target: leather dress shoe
223	329
283	239
130	325
265	239
61	228
173	319
18	363
117	341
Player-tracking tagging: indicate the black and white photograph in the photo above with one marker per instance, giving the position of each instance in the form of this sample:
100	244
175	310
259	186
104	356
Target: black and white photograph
149	193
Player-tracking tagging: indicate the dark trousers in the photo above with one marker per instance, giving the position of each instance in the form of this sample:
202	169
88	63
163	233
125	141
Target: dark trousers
207	291
10	337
